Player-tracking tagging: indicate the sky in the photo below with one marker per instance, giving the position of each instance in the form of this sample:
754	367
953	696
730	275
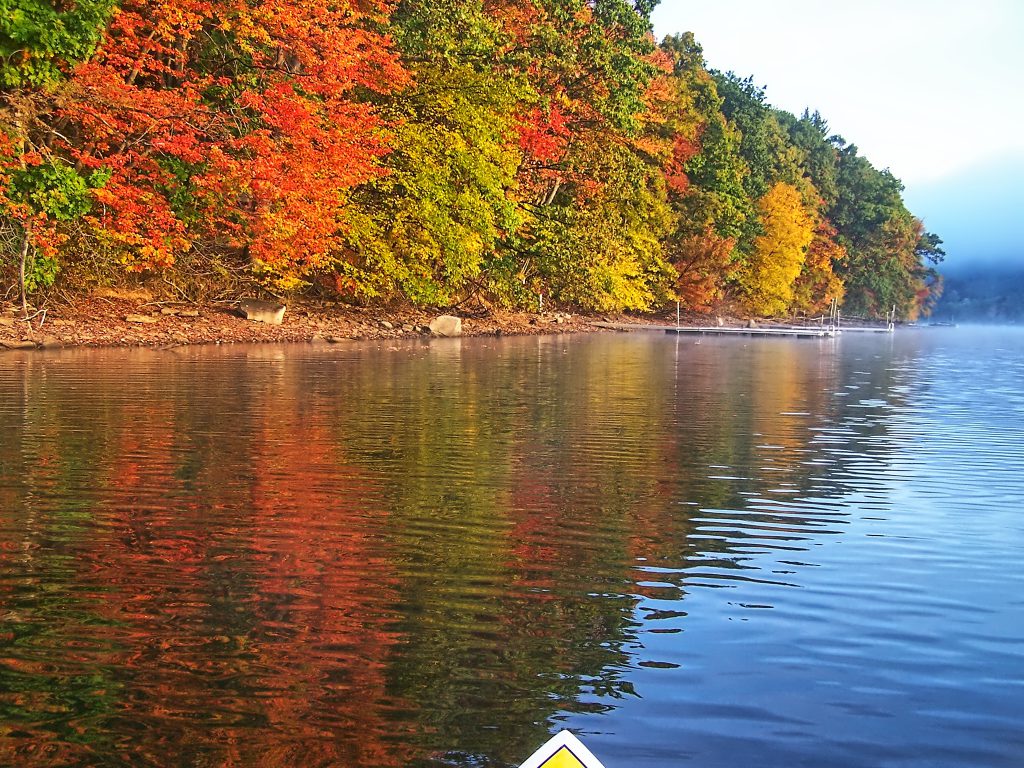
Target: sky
933	90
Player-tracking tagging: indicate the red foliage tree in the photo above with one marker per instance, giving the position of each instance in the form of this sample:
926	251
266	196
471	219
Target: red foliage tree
235	121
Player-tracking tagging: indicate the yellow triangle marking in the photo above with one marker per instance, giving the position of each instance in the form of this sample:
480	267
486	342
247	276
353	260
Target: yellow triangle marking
563	750
563	758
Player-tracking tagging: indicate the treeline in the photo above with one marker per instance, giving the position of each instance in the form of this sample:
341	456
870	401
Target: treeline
988	293
431	150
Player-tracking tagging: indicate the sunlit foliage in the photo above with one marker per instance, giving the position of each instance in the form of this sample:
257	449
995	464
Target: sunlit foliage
432	152
778	252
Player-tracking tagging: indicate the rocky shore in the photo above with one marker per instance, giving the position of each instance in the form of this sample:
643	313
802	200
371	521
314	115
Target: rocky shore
131	319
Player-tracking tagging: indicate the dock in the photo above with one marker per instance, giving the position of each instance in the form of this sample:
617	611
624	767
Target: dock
868	329
819	333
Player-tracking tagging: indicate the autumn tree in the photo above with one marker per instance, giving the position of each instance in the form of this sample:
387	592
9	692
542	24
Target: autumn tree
818	285
40	189
229	129
430	226
589	189
433	152
778	252
705	179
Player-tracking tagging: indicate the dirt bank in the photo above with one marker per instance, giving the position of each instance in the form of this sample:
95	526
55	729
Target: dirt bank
127	320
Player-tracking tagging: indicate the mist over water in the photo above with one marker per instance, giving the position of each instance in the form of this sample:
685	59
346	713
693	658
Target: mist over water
732	552
976	212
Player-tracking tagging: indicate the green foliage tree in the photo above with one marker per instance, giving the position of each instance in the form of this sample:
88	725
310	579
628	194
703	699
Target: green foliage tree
819	159
429	227
764	145
887	246
40	41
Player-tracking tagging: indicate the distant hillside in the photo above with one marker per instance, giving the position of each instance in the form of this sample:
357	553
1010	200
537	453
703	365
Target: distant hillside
995	294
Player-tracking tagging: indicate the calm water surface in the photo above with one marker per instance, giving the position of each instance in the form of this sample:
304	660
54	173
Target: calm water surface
725	553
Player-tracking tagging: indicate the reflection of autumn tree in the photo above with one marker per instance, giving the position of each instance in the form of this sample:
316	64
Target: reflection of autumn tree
491	466
440	426
574	509
276	559
307	656
742	417
203	556
322	637
56	682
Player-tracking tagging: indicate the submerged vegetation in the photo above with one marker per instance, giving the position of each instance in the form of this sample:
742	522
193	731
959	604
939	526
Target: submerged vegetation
431	152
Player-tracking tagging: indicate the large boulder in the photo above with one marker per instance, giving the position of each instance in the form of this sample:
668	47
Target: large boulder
257	310
446	325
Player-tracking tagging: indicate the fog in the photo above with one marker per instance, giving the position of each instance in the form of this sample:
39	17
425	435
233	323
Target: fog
977	212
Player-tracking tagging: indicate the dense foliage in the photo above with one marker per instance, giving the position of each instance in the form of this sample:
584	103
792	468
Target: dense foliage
430	151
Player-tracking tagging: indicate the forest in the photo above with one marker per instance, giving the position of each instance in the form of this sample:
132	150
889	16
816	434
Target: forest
429	151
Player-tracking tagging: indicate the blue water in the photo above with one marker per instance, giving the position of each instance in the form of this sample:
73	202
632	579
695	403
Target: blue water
712	553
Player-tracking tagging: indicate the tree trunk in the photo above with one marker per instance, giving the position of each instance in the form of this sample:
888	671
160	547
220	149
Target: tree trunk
21	274
554	191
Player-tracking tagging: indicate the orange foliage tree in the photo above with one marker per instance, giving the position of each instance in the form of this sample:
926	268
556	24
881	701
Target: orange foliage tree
234	122
703	262
818	284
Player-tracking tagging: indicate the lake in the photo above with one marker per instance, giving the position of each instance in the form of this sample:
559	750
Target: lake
708	553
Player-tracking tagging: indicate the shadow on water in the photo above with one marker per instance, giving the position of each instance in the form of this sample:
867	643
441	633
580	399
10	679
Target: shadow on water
434	554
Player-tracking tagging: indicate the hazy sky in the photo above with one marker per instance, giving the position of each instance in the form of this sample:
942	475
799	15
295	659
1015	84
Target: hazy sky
931	89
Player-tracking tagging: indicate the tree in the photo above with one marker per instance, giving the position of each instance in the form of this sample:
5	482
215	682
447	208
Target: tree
39	188
432	151
233	124
589	184
764	144
779	252
41	41
603	250
703	264
431	225
705	179
818	285
819	159
887	246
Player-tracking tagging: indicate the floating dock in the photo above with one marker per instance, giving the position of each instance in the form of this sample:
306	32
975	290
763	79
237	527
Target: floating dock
868	329
819	333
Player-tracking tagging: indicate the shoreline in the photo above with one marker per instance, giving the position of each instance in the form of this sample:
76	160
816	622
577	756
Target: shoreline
130	319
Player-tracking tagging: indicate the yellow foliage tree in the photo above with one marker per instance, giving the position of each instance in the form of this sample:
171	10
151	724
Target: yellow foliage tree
787	229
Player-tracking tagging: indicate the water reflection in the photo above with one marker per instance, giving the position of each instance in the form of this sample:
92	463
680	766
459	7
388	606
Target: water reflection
429	554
